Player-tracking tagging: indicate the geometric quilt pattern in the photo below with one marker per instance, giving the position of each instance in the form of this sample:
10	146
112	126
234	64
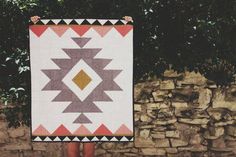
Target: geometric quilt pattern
81	80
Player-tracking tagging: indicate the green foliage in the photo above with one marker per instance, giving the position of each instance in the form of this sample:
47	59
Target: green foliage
197	35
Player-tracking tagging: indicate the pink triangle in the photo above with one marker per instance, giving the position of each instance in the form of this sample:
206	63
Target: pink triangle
123	130
38	29
80	29
102	130
41	131
82	130
61	131
59	30
102	30
123	29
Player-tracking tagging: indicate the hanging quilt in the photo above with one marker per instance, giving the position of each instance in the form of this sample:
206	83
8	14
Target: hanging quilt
81	80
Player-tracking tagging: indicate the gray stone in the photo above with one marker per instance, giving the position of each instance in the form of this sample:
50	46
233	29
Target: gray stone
171	74
151	113
144	133
30	153
186	94
212	86
51	150
165	113
18	132
3	137
171	150
17	146
162	143
193	78
204	98
9	154
27	135
134	150
153	151
165	122
191	112
159	128
137	91
173	134
220	102
195	148
179	104
184	112
222	151
3	125
126	145
182	126
214	133
142	91
196	139
219	143
158	99
159	95
155	106
99	152
159	135
227	117
194	121
216	114
167	85
131	154
230	144
39	146
114	154
230	93
108	145
143	143
234	117
170	95
2	115
147	127
136	116
199	113
137	107
118	150
231	130
145	118
225	104
224	123
178	142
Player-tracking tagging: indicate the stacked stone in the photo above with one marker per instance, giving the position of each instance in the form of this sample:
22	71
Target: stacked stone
15	142
178	115
185	115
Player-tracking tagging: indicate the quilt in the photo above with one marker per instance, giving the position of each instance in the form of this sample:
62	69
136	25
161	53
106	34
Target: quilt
81	80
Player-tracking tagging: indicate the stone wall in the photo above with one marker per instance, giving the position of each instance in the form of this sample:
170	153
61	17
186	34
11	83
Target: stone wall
178	115
15	142
185	115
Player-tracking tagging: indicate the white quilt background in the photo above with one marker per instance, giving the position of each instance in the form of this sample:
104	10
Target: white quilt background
114	46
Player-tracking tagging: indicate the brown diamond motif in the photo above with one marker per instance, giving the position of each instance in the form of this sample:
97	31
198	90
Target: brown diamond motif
82	79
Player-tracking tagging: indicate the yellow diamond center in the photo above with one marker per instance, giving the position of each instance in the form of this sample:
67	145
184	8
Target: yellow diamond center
82	79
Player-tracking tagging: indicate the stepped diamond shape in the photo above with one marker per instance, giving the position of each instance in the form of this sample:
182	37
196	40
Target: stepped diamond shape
89	85
82	79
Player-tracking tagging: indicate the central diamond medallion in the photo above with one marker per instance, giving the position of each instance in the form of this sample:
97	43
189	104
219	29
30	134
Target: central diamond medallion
84	82
82	79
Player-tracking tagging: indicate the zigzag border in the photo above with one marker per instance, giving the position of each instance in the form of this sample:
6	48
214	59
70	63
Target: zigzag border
82	138
97	22
92	22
